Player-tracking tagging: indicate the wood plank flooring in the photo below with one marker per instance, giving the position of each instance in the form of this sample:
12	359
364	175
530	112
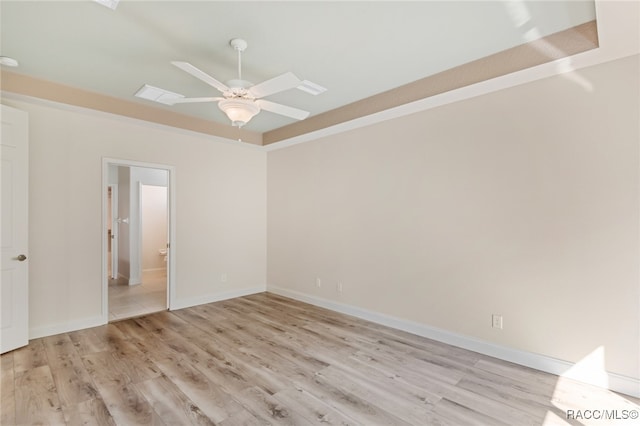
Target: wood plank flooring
265	359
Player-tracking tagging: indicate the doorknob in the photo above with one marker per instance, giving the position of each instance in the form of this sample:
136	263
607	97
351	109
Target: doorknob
21	257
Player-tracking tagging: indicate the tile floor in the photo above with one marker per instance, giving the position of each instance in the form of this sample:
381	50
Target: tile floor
127	301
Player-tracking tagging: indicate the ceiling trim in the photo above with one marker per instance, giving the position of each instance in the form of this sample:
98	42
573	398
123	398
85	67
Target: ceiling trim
562	44
608	38
618	27
30	86
565	43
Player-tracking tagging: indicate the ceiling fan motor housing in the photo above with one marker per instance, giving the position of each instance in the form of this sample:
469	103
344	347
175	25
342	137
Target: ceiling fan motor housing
238	44
239	84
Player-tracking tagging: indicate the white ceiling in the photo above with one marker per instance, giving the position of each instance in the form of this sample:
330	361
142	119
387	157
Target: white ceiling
355	49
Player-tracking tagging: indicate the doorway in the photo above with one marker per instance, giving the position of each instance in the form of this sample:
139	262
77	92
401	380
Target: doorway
138	228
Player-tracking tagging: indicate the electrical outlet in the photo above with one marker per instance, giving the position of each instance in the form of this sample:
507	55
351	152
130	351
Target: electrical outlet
223	278
339	287
496	321
318	282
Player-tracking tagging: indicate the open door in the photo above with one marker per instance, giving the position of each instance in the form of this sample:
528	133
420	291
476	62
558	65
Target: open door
14	292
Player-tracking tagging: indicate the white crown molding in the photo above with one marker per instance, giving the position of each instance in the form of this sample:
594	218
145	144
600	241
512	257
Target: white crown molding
618	29
11	96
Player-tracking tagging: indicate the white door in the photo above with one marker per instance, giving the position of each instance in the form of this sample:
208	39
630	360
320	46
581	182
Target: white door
14	284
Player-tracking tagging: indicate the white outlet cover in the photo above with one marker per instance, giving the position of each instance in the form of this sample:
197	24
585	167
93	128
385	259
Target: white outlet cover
496	321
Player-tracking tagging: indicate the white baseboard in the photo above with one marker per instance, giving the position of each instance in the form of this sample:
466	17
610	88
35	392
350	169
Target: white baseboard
50	330
129	280
154	269
216	297
612	381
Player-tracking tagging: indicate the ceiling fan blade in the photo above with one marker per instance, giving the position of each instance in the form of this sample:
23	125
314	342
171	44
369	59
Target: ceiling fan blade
288	111
187	67
192	100
281	83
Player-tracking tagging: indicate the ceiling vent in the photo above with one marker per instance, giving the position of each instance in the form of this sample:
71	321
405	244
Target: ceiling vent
156	94
310	87
111	4
10	62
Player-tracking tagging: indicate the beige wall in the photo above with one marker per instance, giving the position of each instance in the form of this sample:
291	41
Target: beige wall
523	202
220	196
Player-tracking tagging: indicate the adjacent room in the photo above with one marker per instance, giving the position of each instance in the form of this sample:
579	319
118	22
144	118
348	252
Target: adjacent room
310	212
137	227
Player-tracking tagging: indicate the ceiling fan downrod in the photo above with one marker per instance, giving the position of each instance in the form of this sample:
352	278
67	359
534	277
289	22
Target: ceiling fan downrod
239	46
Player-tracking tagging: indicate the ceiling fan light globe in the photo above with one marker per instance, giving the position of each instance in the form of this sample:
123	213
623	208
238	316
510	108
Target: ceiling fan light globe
239	111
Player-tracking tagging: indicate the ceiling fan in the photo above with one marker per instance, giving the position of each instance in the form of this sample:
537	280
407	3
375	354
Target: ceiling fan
241	100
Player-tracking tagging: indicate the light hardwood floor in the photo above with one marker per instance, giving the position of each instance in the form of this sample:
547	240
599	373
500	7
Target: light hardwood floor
264	359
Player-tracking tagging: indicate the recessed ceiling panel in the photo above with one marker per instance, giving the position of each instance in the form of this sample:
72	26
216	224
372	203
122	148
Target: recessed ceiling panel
353	49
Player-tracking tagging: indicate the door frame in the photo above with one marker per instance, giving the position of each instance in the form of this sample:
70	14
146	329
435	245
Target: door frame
114	231
171	223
